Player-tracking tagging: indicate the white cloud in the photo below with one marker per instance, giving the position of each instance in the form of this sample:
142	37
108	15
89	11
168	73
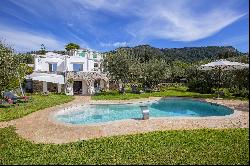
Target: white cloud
23	41
117	6
115	44
179	22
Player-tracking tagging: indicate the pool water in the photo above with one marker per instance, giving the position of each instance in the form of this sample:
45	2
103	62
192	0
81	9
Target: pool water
89	114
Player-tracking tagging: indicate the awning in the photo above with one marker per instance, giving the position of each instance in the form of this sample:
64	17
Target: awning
53	78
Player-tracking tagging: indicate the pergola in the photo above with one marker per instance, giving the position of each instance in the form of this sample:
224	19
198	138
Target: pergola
45	77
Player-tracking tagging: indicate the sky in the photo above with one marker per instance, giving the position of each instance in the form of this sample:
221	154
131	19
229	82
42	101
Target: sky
104	25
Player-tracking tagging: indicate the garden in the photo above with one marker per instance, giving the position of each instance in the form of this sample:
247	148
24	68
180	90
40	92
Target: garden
144	72
132	77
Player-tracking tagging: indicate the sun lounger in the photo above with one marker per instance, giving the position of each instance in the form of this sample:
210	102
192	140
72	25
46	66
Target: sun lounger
4	103
15	98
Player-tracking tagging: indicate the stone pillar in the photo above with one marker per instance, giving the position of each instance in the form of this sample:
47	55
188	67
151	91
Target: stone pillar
102	84
69	89
84	88
91	88
45	89
107	85
59	88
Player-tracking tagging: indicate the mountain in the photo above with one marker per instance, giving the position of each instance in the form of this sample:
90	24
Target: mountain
187	54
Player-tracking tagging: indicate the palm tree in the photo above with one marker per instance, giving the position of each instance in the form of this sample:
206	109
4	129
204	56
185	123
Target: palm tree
43	49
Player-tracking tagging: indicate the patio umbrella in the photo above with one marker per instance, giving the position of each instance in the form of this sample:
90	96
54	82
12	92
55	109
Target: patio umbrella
221	65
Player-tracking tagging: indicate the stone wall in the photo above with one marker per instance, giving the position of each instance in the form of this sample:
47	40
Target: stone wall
37	86
63	88
52	87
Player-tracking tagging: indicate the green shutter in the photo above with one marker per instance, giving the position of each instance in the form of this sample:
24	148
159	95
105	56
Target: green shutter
94	56
82	54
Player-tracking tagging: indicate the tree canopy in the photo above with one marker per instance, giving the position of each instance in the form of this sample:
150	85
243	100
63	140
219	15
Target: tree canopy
71	46
150	66
186	54
12	72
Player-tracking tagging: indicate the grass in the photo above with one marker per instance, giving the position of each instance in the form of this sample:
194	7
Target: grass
38	102
204	146
180	91
170	91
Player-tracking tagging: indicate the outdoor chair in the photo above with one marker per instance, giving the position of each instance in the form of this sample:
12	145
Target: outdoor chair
16	98
4	103
10	97
24	98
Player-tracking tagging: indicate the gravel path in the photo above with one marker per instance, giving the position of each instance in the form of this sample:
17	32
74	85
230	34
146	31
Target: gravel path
40	128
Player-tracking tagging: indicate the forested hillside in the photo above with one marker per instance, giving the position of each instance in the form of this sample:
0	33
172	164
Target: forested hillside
187	54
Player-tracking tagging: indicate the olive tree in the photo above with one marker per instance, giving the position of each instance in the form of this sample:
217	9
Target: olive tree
155	71
11	71
117	65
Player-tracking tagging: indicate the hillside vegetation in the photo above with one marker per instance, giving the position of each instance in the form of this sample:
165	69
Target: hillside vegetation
187	54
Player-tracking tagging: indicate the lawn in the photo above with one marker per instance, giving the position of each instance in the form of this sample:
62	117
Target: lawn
38	102
170	91
179	91
204	146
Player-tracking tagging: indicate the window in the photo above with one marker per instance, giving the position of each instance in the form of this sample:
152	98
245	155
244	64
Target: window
52	67
77	67
95	64
94	56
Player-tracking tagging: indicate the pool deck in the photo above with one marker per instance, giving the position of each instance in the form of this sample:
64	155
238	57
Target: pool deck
40	127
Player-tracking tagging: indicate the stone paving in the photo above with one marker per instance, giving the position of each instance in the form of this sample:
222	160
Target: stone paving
39	127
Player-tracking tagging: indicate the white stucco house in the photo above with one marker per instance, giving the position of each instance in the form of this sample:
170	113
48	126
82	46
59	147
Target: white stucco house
81	73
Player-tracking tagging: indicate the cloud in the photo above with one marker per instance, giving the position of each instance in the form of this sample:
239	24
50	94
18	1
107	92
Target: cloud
116	6
180	22
115	44
23	41
129	22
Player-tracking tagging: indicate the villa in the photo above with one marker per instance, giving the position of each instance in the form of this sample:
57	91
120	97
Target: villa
80	73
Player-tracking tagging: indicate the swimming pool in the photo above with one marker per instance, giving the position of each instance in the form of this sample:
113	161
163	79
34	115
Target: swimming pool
97	113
